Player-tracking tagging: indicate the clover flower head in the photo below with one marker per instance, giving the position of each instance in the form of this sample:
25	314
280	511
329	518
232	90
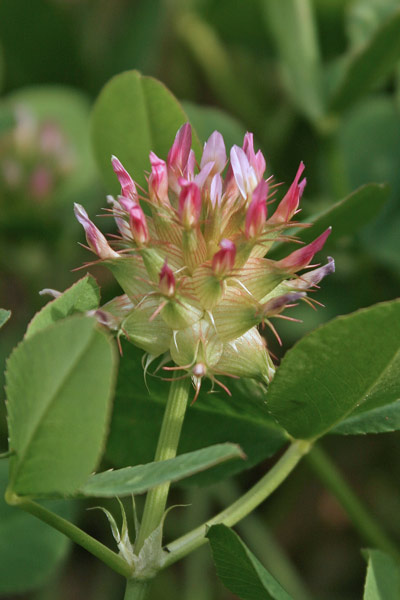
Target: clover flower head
191	259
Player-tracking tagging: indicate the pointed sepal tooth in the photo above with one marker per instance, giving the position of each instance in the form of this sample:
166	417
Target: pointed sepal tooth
247	356
149	332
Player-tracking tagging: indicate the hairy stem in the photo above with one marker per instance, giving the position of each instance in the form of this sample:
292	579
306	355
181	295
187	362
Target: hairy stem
369	529
168	441
243	506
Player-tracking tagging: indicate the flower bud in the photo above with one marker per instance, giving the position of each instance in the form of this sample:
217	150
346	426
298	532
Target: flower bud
95	239
299	259
180	149
224	260
41	183
138	224
312	278
117	211
158	180
128	187
189	208
244	174
257	211
201	178
167	281
277	304
257	161
214	151
178	155
216	190
188	171
289	204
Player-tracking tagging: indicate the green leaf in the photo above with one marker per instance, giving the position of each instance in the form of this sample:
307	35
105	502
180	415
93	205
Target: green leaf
349	214
213	419
345	217
30	551
59	384
383	577
230	87
369	142
369	64
81	296
26	27
4	316
132	116
363	17
240	570
376	420
139	479
292	25
1	68
206	119
347	367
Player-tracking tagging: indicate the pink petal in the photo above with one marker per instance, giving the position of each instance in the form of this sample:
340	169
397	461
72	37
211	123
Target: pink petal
95	239
289	204
179	152
128	188
299	259
214	151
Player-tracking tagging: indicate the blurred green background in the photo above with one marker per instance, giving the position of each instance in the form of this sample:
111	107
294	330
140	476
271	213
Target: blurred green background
317	81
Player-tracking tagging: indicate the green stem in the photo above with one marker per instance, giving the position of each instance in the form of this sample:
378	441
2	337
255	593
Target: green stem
243	506
265	545
136	590
168	441
74	533
366	525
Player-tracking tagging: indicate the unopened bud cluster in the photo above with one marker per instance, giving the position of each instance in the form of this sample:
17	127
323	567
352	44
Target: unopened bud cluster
34	157
190	257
